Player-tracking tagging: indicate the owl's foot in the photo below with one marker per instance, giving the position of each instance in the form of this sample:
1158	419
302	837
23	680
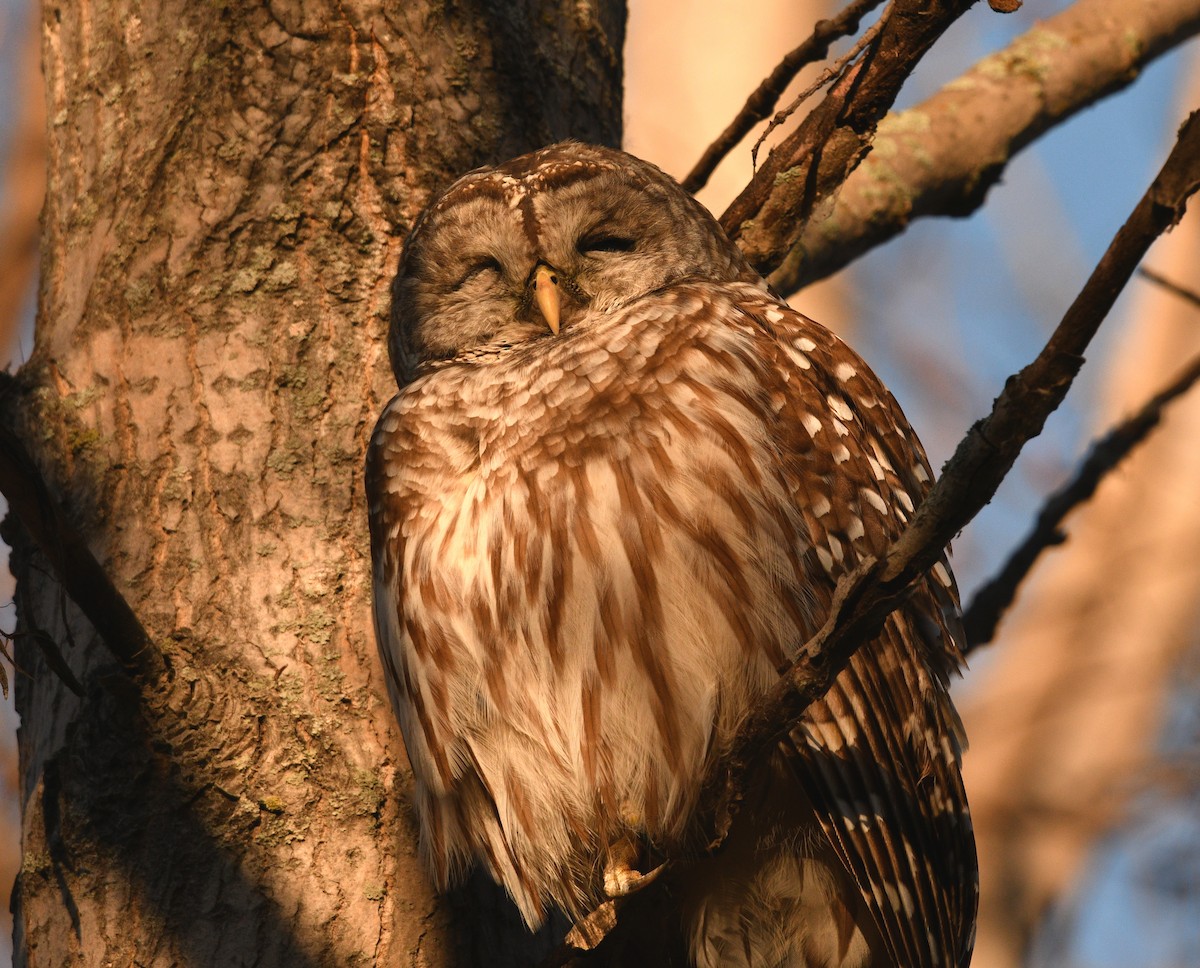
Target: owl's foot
620	876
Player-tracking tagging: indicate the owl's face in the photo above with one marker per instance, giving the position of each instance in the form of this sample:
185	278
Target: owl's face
539	246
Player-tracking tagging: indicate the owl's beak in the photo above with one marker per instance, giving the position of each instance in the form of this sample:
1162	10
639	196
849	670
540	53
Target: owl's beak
547	295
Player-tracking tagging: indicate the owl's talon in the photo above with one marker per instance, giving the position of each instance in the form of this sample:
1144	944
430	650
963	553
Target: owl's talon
621	880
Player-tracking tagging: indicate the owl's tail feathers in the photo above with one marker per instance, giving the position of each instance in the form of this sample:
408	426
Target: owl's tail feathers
776	895
789	911
451	847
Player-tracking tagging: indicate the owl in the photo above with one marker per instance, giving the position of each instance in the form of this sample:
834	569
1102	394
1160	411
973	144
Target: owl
610	501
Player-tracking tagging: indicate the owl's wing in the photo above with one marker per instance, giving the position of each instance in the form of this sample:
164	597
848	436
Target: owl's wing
879	755
401	460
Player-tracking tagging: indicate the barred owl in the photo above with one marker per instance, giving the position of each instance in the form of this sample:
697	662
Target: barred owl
611	499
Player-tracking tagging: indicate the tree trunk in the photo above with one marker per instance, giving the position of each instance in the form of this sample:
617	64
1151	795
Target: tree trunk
228	188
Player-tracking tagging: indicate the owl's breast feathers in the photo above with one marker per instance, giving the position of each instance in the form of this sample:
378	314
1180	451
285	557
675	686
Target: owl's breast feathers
591	559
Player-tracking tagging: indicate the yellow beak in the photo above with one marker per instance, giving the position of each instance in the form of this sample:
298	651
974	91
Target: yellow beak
547	295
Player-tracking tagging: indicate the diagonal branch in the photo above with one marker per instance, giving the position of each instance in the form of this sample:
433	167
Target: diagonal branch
830	75
994	598
810	164
869	594
762	101
1187	295
942	157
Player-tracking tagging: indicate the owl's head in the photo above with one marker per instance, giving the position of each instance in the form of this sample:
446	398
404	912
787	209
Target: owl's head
534	247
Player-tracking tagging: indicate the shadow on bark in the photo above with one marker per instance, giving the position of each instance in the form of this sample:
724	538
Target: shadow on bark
111	797
490	930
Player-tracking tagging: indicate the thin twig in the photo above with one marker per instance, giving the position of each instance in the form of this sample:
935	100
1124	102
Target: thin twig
762	101
943	156
811	163
994	597
1171	287
830	74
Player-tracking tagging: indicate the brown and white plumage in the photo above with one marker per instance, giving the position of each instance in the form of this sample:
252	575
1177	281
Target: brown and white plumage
596	540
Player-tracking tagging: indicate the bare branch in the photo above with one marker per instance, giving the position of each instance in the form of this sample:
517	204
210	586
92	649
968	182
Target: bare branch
830	74
970	478
72	560
994	598
810	164
1174	288
941	157
762	101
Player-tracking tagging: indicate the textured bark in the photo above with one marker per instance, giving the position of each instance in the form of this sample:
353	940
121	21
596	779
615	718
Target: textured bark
228	189
944	155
